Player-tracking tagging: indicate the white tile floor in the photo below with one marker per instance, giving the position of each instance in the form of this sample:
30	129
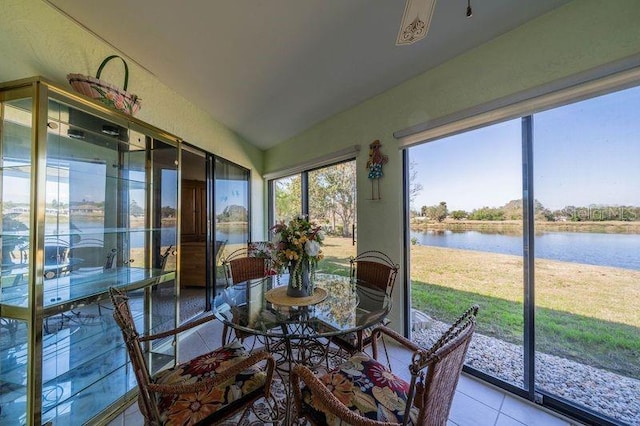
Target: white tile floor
475	403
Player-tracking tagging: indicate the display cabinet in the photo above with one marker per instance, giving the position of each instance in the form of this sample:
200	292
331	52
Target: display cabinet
89	201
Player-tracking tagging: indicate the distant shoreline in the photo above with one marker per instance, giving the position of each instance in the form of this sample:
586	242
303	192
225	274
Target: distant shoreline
515	226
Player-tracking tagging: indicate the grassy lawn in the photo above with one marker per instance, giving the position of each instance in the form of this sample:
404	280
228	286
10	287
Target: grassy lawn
585	313
337	252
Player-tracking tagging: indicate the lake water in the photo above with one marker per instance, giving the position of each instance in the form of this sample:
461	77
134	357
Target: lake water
618	250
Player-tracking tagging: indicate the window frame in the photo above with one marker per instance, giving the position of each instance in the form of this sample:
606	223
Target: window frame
304	185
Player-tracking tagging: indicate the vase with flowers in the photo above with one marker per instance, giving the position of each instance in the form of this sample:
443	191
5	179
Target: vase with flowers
297	248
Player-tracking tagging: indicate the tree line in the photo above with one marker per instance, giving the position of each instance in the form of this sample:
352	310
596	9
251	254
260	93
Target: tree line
513	210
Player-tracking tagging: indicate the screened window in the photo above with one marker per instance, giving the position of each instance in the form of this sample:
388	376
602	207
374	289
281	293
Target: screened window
327	195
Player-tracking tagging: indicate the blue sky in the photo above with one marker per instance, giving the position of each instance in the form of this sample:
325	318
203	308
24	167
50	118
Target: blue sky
231	192
584	153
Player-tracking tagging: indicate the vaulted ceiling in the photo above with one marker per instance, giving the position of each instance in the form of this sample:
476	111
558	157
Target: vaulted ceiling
270	69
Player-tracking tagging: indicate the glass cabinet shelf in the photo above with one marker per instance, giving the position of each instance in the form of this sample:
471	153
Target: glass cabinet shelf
15	170
95	232
69	291
21	234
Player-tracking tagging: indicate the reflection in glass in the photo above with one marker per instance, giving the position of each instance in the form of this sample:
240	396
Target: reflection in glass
168	218
16	190
231	204
13	371
86	185
75	343
164	172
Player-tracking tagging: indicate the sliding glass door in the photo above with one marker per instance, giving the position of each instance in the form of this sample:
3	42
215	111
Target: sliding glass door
466	233
194	289
215	220
587	245
538	221
232	213
332	205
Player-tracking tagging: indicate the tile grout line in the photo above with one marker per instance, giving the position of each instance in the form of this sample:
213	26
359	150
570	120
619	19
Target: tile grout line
504	397
499	409
499	412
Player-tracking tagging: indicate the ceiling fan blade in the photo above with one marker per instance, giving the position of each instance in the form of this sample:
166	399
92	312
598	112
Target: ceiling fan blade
415	21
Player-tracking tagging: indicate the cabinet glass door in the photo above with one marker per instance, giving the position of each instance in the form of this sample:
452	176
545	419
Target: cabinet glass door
163	174
15	185
90	172
15	192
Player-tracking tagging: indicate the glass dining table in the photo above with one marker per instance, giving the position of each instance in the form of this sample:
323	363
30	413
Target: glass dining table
295	333
300	330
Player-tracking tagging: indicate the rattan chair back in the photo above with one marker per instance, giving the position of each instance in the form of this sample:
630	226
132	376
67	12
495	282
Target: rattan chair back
434	377
203	378
239	266
435	372
371	268
375	268
124	319
218	249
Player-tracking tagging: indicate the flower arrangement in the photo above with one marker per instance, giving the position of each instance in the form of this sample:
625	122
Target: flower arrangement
297	246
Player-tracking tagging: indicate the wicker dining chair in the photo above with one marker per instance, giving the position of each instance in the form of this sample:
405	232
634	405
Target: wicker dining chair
208	388
241	265
372	268
364	392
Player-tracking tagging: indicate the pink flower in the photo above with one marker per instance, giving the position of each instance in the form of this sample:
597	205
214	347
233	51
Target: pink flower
120	104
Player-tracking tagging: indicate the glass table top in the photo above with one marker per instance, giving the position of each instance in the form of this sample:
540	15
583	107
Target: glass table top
351	305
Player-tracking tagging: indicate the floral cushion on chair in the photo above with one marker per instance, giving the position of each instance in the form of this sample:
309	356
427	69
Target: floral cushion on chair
365	386
190	408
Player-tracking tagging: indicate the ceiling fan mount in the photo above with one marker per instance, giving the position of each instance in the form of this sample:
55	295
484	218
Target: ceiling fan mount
416	20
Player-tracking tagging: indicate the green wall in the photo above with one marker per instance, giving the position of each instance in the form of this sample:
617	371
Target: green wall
36	39
574	38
